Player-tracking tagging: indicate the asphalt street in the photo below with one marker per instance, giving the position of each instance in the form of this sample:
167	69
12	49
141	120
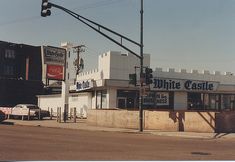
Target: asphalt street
41	143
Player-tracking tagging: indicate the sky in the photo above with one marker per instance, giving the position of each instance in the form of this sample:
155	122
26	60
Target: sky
180	34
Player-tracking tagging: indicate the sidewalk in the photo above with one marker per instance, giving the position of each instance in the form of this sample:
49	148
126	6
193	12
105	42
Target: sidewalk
82	125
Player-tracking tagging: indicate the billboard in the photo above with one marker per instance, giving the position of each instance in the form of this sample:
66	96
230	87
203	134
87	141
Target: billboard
54	55
54	59
55	72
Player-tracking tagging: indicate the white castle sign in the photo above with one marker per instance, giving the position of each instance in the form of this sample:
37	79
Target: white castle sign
183	85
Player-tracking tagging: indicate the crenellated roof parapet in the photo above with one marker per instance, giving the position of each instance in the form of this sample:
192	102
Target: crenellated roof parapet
223	78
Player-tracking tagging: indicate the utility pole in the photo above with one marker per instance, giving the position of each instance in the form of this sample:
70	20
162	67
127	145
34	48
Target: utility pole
141	68
78	49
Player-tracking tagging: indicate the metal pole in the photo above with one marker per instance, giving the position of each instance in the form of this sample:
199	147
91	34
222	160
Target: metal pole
141	70
74	114
29	114
39	114
59	114
70	113
51	114
65	115
90	24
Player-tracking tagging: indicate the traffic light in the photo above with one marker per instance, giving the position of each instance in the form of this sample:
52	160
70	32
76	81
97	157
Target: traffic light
45	8
148	76
132	79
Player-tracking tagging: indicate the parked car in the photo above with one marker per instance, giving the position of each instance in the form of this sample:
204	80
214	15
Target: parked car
2	116
29	109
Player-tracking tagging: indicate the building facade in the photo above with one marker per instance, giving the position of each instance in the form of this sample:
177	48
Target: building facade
182	90
178	90
107	87
20	73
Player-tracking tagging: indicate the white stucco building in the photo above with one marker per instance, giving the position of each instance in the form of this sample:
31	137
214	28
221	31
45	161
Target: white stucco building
107	87
71	57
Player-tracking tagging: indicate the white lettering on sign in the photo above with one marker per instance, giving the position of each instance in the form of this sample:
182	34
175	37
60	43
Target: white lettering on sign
83	85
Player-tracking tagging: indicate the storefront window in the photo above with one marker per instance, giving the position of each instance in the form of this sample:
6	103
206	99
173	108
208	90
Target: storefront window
98	100
227	102
121	102
161	100
149	100
101	99
214	101
104	99
127	99
195	101
205	101
233	102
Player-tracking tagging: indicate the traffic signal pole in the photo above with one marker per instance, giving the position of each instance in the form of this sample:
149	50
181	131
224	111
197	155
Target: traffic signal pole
98	28
141	68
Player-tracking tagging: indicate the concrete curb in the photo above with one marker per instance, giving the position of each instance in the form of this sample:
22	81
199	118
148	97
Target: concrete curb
81	125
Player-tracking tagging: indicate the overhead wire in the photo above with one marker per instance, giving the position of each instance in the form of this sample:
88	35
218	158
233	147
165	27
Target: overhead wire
98	4
85	7
95	5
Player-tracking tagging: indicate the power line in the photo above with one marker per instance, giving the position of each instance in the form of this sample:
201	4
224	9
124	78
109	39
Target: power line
85	7
20	20
100	4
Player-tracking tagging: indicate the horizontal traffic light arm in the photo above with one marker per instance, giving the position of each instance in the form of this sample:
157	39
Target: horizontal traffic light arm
98	29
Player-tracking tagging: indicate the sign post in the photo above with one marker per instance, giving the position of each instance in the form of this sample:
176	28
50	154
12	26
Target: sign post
54	59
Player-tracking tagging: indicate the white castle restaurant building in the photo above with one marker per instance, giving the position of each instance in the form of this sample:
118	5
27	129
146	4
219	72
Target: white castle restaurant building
107	87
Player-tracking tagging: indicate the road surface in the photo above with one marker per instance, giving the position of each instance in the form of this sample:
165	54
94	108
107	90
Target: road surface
40	143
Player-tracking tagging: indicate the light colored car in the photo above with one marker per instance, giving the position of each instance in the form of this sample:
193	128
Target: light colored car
2	116
29	109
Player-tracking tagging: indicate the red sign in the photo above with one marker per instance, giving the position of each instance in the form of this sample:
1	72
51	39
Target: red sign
55	72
